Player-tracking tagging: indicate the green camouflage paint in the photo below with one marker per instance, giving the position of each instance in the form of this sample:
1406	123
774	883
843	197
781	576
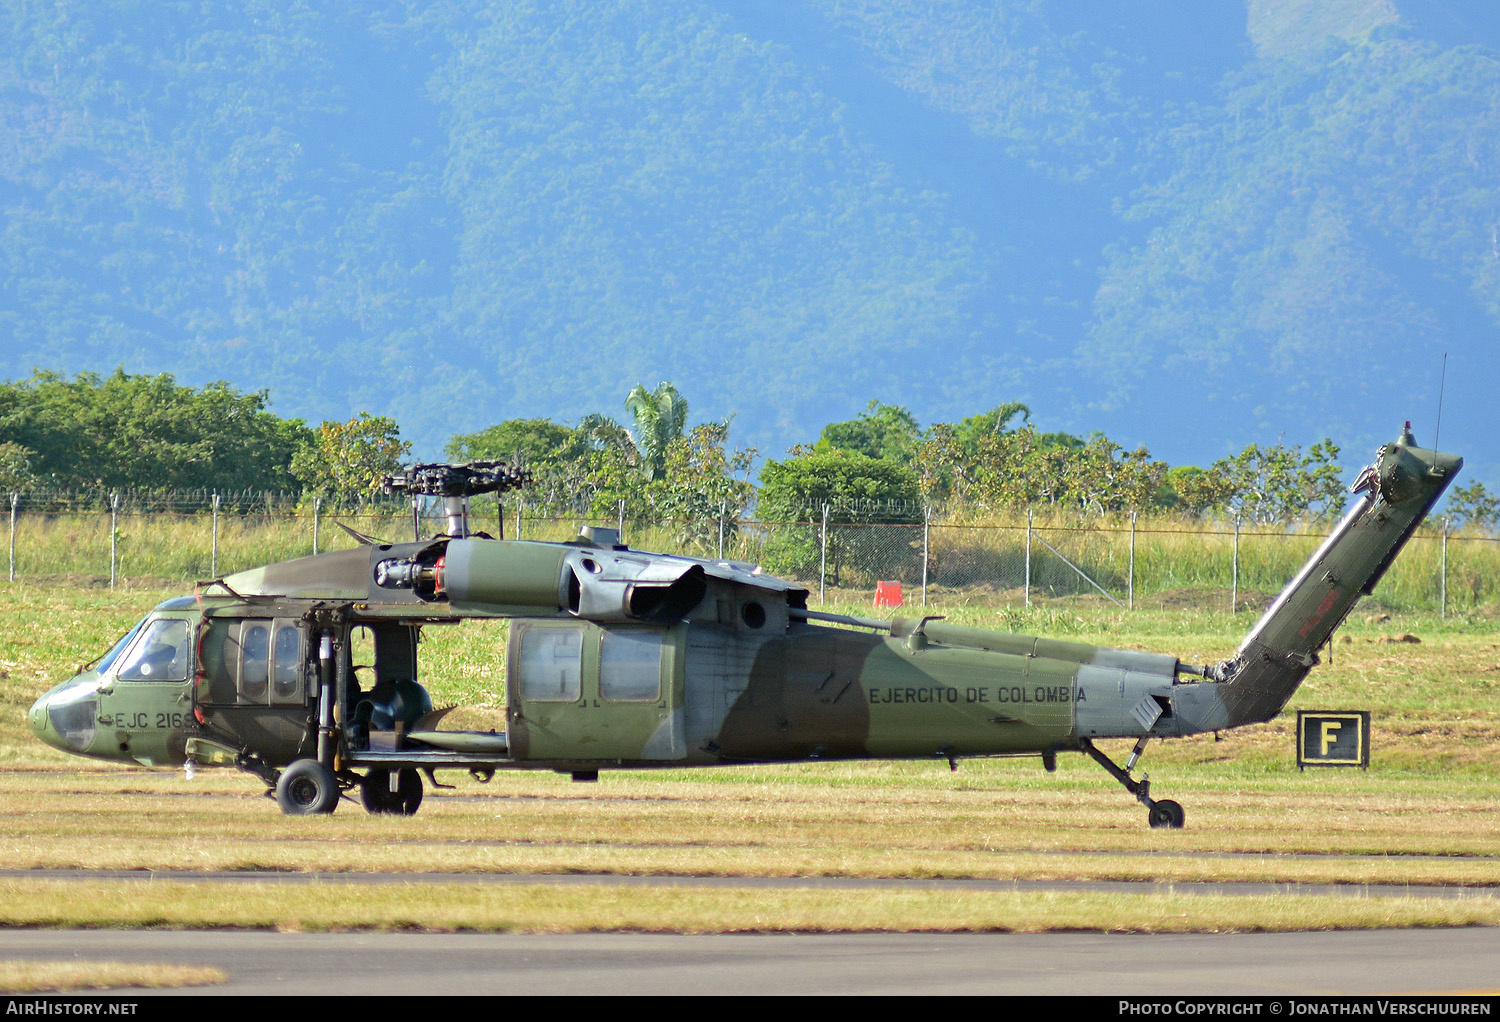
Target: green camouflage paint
625	658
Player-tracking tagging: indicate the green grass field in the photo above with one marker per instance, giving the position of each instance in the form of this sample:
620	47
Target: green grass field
1424	813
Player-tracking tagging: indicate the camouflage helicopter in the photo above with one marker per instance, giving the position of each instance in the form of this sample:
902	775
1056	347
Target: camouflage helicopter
620	658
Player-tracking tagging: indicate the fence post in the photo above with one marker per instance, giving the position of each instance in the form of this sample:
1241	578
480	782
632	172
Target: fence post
14	499
114	535
622	520
317	521
723	510
926	548
823	559
213	567
1131	578
1028	557
519	502
1444	583
1234	585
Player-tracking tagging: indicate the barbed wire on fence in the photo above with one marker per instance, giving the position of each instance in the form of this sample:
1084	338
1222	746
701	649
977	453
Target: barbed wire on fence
168	536
139	501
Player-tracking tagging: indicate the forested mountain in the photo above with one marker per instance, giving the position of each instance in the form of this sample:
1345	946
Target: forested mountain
1191	226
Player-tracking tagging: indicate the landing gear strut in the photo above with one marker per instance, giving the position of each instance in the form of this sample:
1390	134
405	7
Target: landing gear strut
1162	812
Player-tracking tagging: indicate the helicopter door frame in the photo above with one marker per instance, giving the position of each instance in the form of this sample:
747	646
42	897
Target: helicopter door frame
256	682
146	697
582	692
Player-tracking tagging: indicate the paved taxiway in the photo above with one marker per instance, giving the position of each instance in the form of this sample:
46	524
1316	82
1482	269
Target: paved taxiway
1349	962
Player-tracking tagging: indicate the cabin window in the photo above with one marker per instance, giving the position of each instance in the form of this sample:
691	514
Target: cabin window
262	664
551	664
630	666
160	654
286	672
255	661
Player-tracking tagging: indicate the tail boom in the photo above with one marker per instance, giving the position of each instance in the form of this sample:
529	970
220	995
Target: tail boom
1396	494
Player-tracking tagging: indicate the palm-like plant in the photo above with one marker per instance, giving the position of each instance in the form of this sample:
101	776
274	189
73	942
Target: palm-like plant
604	433
660	417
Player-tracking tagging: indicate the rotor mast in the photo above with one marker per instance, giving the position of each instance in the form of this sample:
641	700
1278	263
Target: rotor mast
456	484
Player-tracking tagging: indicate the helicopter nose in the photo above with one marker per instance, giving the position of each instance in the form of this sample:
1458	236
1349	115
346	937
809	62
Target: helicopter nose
66	717
37	718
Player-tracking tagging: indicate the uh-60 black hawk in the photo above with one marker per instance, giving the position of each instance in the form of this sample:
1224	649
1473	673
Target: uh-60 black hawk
619	658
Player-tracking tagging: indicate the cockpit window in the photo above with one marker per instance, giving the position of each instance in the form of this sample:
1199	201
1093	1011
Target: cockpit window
160	654
107	660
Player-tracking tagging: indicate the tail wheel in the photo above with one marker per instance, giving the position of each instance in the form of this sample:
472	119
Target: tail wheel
1159	812
307	787
375	792
1165	813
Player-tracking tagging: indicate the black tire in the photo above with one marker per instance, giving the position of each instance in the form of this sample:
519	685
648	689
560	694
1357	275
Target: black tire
307	787
375	792
409	790
1166	813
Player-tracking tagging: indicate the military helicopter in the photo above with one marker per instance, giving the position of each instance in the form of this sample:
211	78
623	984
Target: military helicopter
621	658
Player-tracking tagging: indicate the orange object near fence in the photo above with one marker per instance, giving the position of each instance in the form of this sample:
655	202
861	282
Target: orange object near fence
888	594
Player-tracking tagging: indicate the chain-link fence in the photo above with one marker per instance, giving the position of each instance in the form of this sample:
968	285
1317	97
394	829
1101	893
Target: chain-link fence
1017	561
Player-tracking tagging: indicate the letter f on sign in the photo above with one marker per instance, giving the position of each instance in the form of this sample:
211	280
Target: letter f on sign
1329	737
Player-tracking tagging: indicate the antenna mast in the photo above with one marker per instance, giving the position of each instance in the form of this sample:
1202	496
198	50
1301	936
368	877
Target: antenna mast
1442	379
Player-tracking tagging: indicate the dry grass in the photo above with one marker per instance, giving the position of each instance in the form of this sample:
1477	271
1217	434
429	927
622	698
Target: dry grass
994	820
50	977
1423	814
546	908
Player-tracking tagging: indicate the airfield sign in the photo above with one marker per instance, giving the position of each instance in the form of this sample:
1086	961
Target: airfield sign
1333	738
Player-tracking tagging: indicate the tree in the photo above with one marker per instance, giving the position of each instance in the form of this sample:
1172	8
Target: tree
1278	483
15	467
995	467
952	456
351	459
703	483
660	417
664	470
1192	490
971	430
858	491
881	431
1474	506
1102	476
859	487
561	460
533	443
661	469
147	432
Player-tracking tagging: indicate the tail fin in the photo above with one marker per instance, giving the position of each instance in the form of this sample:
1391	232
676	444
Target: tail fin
1396	494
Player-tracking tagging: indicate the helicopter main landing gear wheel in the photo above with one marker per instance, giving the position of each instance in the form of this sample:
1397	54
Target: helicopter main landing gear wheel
375	791
307	787
1159	812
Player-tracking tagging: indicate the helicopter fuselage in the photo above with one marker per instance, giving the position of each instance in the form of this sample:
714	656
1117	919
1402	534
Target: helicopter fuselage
620	658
